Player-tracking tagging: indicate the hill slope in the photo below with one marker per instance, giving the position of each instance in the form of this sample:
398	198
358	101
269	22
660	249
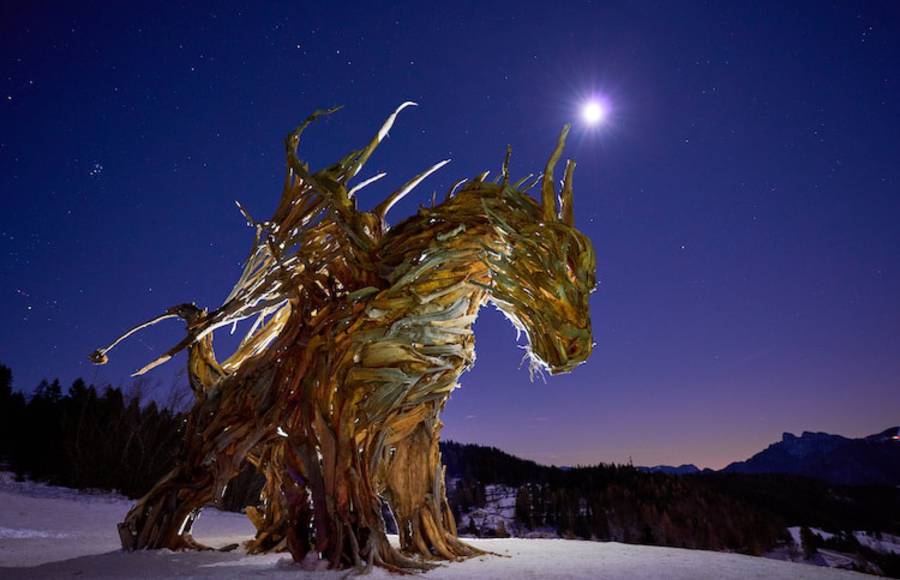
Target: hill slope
47	532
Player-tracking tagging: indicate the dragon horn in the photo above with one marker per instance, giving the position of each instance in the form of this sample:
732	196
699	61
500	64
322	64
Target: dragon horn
364	155
504	171
548	193
382	208
566	211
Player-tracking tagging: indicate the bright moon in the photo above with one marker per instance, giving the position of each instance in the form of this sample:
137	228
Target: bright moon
593	113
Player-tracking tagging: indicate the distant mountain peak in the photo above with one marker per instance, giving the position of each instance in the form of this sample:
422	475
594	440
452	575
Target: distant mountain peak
683	469
889	434
872	460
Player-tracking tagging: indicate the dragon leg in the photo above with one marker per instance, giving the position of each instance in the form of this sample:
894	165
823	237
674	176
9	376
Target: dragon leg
280	492
414	488
163	518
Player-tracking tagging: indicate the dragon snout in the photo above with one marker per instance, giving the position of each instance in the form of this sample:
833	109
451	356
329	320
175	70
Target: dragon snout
573	347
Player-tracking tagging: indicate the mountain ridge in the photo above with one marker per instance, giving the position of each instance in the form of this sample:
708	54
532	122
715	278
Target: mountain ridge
683	469
870	460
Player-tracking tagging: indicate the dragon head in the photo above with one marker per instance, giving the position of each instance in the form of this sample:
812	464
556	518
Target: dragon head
543	272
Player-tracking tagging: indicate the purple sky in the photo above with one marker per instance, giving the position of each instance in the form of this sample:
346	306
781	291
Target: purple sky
743	198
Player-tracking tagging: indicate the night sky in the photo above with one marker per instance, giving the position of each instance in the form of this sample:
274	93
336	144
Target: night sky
743	194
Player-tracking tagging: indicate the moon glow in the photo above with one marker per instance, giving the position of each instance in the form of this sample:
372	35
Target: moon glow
593	113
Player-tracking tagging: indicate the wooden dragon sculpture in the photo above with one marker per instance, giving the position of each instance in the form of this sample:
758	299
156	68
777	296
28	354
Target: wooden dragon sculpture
360	333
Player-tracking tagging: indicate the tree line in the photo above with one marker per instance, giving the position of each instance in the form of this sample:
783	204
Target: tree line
85	437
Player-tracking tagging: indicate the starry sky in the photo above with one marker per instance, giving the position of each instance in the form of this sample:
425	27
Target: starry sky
743	194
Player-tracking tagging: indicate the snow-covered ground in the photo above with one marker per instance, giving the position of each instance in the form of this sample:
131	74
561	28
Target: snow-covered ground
48	532
498	513
886	543
883	543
